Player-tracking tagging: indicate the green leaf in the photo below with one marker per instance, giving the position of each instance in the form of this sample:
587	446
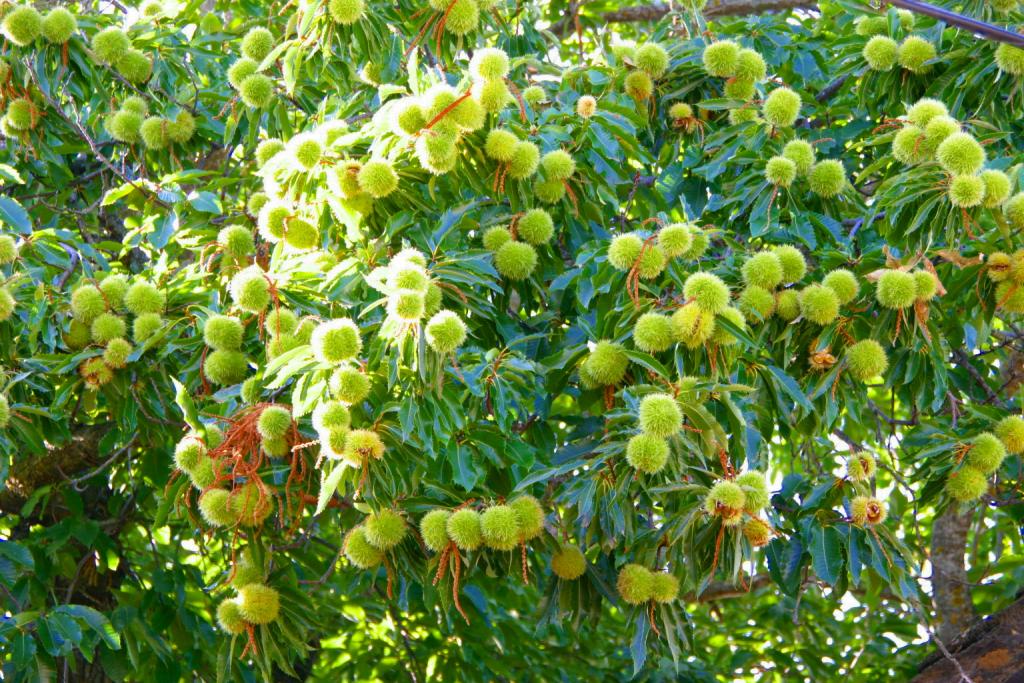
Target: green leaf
188	408
638	646
328	485
23	650
826	553
98	623
13	214
791	388
647	361
466	473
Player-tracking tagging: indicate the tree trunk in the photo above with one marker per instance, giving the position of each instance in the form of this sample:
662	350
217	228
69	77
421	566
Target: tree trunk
950	590
990	652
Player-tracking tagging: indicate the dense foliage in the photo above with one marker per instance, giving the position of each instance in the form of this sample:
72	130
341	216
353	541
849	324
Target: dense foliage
476	340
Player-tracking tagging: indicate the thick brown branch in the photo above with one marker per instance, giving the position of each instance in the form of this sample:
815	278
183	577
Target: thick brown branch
739	8
720	8
951	591
991	651
979	28
29	474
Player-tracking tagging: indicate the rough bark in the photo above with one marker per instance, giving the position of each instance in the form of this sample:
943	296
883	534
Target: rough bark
950	590
715	8
28	474
990	652
738	8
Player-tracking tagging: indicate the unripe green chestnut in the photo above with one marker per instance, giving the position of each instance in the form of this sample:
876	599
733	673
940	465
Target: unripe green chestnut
256	90
223	333
346	12
801	153
966	484
336	340
1010	59
257	44
653	333
529	517
1010	431
924	110
727	500
866	359
986	453
639	85
464	528
117	352
819	304
757	302
384	529
647	453
763	269
881	53
781	108
750	65
913	54
250	290
664	587
960	154
489	63
499	527
652	59
607	362
827	178
226	367
707	291
693	326
660	415
843	283
515	260
794	265
997	187
896	289
500	145
22	25
568	563
229	617
635	584
434	529
274	422
721	59
378	178
445	332
359	551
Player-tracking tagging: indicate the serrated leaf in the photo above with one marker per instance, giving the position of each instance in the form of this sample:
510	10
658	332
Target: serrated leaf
826	553
328	485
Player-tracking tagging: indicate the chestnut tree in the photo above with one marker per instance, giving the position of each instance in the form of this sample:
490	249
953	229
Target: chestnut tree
490	340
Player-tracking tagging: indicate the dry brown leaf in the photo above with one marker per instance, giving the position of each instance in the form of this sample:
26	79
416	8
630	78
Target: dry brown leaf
954	257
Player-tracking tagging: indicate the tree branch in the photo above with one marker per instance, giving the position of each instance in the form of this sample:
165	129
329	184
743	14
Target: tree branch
979	28
739	8
29	474
964	361
723	590
991	650
656	10
950	590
